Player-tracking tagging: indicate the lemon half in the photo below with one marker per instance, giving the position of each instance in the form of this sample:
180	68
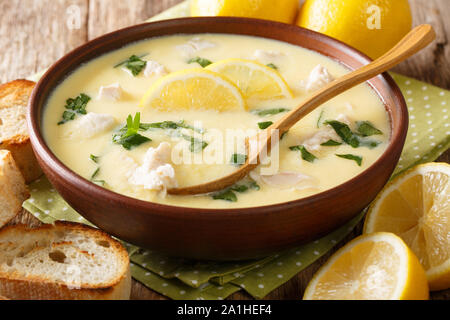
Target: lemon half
416	207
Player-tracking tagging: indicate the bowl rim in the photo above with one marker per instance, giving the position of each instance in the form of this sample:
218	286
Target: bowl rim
41	148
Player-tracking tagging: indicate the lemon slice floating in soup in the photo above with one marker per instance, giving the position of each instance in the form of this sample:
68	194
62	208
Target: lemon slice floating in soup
255	80
194	89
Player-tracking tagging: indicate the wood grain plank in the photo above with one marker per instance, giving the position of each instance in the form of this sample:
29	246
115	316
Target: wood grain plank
433	63
34	34
106	16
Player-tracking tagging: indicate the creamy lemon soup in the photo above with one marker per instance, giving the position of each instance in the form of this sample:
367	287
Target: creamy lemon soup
174	111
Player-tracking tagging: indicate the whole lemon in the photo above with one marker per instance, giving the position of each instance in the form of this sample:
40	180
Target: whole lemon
371	26
282	11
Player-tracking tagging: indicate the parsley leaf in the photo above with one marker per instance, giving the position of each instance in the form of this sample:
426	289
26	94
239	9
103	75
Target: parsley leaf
197	145
169	125
75	106
366	129
96	172
128	136
371	144
271	65
319	121
357	159
134	63
331	143
267	112
306	155
201	61
264	125
94	158
227	195
345	133
238	159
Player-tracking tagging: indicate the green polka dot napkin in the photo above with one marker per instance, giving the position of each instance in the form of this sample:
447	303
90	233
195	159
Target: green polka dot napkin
428	138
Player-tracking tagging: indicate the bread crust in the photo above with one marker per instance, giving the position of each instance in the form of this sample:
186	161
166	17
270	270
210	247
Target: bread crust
13	191
13	94
19	287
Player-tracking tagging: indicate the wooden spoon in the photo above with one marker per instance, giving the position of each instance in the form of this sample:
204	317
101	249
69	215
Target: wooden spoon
413	42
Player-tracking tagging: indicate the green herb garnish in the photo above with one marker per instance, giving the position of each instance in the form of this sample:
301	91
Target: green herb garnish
75	106
134	63
345	133
241	188
271	65
238	159
267	112
306	155
94	158
128	135
371	144
283	135
197	145
331	143
264	125
169	125
101	183
227	195
319	121
67	116
201	61
357	159
96	172
366	129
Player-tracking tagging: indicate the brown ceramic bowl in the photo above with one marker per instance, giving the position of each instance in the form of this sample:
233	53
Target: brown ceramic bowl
210	233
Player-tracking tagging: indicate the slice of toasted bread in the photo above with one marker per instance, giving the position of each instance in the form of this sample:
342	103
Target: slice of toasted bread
13	126
65	261
13	191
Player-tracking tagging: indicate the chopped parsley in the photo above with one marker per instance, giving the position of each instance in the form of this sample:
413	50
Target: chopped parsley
201	61
264	125
128	135
134	63
344	131
95	174
366	129
357	159
331	143
319	121
238	159
197	145
94	158
229	194
306	155
169	125
269	112
101	183
271	65
353	139
75	106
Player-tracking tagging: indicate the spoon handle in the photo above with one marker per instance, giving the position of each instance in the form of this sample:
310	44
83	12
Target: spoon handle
414	41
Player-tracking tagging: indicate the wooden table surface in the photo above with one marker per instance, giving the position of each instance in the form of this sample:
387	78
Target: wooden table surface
35	33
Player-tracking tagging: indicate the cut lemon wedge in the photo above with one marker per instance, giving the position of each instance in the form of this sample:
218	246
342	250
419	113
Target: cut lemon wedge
255	80
377	266
193	90
416	207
